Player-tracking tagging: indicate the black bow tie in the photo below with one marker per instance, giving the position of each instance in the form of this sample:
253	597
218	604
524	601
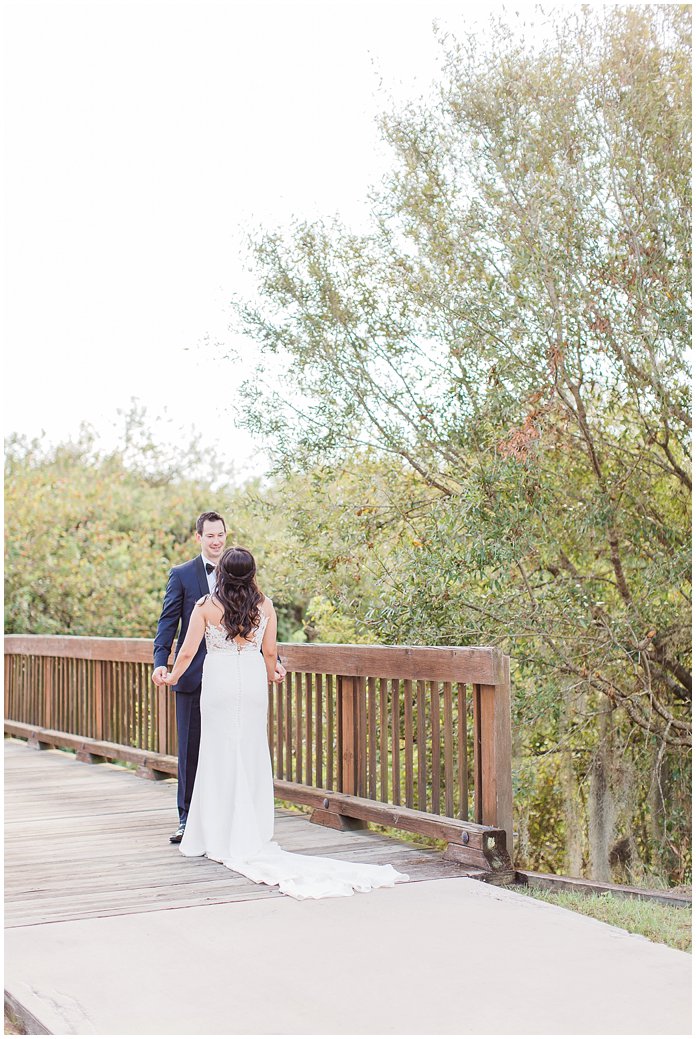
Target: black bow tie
209	568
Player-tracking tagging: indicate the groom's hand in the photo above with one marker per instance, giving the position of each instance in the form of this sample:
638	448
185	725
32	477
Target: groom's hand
158	675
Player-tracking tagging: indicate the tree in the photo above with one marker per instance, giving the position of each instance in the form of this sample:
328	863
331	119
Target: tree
513	334
90	537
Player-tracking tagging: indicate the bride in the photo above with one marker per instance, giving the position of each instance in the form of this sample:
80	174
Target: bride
231	814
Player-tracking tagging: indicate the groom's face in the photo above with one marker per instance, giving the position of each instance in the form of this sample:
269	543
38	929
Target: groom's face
212	540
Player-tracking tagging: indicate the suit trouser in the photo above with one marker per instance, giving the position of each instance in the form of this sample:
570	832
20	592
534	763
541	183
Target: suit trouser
188	728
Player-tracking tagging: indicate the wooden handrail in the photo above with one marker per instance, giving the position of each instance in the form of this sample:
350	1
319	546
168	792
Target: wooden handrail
423	663
407	729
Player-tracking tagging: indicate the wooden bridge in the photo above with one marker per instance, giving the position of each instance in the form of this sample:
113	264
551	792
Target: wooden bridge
413	738
109	930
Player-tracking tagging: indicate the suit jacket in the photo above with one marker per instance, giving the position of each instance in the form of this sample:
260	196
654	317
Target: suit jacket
187	583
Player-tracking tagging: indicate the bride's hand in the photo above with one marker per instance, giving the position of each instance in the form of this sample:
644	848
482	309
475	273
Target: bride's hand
168	680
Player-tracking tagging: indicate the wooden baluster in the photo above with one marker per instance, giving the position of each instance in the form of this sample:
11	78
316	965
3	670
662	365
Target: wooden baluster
122	704
308	729
90	666
478	777
462	757
163	744
86	723
421	740
140	706
8	688
348	733
65	706
71	697
372	740
279	730
331	781
131	713
128	703
448	726
83	727
29	695
288	727
31	691
408	741
298	728
65	698
146	688
383	740
148	700
270	720
106	679
28	688
319	731
172	728
396	741
361	737
435	736
76	698
26	691
139	701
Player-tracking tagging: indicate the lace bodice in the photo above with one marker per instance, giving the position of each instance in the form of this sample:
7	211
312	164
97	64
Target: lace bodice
216	639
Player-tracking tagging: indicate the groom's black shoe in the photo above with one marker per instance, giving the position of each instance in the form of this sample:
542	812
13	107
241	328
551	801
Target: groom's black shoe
176	837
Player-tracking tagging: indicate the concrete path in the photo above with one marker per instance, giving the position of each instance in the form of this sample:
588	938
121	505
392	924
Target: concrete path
442	957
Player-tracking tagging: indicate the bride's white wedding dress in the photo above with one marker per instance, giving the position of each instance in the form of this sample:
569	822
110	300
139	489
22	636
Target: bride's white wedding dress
231	815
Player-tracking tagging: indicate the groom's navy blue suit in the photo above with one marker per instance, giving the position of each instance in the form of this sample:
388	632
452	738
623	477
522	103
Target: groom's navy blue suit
187	583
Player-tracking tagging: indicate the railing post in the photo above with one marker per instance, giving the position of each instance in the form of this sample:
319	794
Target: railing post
493	753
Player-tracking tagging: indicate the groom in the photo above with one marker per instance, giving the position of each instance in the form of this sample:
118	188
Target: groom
187	583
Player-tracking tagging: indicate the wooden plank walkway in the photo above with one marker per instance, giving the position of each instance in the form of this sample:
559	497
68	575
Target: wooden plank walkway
87	841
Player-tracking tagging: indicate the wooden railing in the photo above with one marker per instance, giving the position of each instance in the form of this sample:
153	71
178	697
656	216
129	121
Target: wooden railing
412	737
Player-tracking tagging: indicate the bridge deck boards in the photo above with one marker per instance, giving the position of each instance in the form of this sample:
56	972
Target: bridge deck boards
92	840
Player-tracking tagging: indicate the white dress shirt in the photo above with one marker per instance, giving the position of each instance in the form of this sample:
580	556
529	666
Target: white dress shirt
211	575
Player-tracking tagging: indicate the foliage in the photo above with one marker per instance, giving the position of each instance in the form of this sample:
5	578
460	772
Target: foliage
491	405
90	537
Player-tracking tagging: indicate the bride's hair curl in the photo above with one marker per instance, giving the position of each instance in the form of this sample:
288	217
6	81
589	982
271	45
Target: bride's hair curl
238	593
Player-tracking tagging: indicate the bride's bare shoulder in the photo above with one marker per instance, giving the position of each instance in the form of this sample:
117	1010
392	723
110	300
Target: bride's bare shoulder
211	608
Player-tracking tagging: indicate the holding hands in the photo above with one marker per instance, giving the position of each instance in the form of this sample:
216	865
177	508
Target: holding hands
160	676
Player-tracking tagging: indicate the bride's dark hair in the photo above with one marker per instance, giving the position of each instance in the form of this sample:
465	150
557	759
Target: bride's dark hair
238	592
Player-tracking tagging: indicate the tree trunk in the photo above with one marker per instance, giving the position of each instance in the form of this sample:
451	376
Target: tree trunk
571	796
601	805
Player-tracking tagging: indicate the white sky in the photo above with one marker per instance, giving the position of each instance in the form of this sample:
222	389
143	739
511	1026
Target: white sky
141	140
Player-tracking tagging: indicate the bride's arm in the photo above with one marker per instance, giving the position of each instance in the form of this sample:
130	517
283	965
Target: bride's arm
269	646
194	634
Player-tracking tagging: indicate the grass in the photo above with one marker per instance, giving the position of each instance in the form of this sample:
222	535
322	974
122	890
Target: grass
665	924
